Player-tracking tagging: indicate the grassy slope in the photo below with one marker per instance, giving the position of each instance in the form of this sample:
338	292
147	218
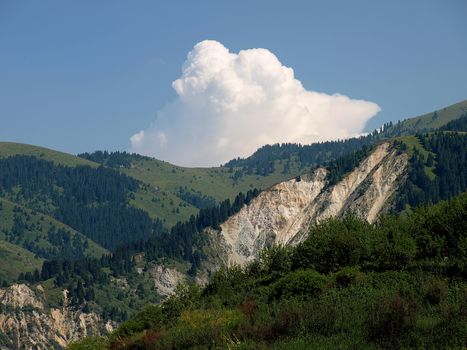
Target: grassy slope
11	149
444	116
15	260
412	142
41	223
165	179
215	182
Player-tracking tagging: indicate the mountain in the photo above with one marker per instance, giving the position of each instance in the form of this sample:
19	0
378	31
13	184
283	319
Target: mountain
283	213
433	120
349	284
391	176
9	149
118	231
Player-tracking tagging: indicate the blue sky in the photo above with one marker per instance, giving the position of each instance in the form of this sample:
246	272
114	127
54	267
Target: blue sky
86	75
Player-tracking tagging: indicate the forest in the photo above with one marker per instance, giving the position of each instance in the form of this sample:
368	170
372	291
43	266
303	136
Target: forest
263	161
447	157
93	201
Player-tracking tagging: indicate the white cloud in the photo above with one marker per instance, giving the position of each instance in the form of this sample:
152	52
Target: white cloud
230	104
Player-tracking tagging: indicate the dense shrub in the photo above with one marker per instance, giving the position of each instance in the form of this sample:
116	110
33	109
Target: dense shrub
434	291
306	284
391	320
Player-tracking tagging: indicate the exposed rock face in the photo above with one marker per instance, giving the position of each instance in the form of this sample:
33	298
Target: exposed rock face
282	214
30	325
166	279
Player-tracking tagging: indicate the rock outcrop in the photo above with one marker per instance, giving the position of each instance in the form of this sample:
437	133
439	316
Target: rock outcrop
283	213
27	323
166	279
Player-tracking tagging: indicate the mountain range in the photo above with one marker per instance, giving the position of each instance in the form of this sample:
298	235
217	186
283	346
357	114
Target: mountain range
86	241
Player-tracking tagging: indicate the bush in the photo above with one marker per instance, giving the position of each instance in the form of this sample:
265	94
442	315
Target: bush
272	322
391	320
276	260
89	343
306	284
391	246
150	317
348	276
434	291
201	329
332	245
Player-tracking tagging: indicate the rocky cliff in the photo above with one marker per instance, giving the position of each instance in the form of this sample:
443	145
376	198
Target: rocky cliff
283	213
26	322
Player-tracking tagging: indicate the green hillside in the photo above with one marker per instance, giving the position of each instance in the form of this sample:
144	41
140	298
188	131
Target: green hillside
121	283
168	182
436	119
172	193
8	149
43	235
166	187
16	260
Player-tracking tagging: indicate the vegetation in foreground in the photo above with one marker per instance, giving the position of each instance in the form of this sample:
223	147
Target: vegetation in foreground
398	284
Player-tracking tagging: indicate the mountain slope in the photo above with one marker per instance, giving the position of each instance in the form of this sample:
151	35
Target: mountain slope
8	149
148	260
434	120
364	183
393	175
35	236
20	260
282	214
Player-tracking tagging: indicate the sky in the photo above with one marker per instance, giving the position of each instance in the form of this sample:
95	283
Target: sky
170	79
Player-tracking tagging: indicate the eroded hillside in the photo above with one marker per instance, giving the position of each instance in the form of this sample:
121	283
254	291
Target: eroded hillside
282	214
27	323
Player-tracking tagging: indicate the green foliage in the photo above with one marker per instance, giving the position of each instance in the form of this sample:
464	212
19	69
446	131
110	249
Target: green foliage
151	316
457	124
391	320
437	170
89	343
340	166
306	284
333	244
276	260
112	159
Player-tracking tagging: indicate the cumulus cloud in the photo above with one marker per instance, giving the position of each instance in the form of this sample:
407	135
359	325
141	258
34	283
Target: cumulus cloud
230	104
